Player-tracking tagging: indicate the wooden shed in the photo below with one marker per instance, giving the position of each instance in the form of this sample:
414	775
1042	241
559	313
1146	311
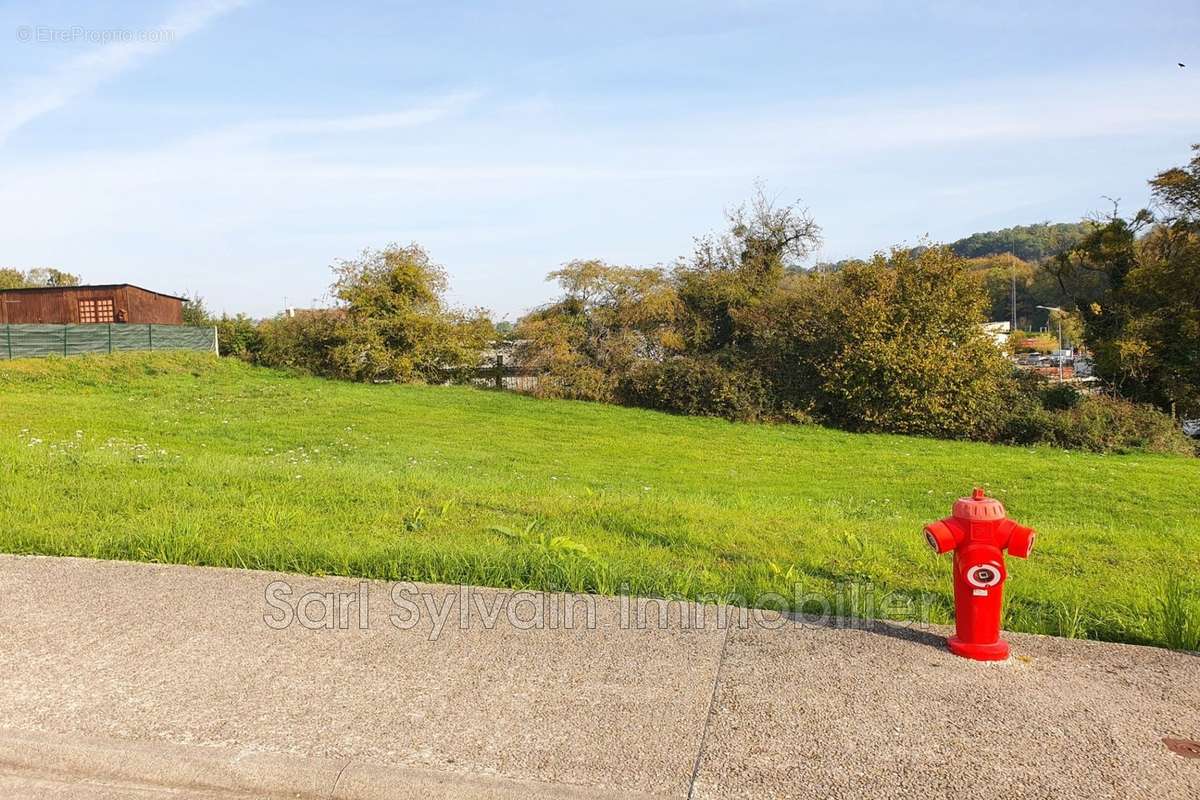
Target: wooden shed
75	305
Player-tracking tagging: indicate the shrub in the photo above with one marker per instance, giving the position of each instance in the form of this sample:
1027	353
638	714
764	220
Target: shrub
304	342
609	320
698	386
893	345
905	351
1111	424
395	324
239	337
555	342
1097	423
1059	396
390	324
1027	421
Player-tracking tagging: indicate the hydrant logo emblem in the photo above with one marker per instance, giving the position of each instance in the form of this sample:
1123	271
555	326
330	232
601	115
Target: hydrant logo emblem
983	576
978	531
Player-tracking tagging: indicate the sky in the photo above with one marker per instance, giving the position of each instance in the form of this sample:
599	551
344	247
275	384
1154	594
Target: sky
235	149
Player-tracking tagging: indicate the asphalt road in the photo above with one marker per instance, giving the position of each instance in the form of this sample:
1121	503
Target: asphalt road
142	681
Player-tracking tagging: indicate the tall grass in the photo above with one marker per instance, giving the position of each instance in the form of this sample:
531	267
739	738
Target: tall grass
1179	611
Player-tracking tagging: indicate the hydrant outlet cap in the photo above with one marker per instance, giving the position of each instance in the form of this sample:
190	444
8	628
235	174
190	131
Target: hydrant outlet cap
978	507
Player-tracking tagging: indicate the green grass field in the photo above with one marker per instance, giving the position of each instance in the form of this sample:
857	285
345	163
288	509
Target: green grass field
187	459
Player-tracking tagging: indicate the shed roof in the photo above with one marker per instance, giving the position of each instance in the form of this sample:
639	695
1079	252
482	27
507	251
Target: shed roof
92	286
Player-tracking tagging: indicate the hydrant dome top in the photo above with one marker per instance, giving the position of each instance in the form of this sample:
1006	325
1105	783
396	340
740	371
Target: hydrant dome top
978	507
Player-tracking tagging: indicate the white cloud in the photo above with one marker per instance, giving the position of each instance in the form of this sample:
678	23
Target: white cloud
425	114
1054	108
497	190
36	96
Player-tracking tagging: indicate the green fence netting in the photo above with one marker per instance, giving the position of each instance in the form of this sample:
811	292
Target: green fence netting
28	341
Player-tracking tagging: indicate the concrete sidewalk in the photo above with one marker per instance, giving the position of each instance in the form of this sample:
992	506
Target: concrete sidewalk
124	680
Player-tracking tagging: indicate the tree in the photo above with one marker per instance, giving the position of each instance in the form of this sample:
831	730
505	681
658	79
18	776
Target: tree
390	323
1026	242
897	345
1177	192
239	336
306	341
609	319
1157	351
394	280
194	310
38	276
395	324
998	273
48	276
1136	284
1067	324
740	330
729	273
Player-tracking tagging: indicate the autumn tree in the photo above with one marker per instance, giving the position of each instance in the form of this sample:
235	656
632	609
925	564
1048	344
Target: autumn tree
1136	283
608	319
1177	193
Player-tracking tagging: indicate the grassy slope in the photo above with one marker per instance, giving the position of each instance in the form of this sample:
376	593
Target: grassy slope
187	459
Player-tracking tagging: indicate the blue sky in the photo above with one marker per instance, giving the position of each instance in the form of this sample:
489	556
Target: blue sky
236	149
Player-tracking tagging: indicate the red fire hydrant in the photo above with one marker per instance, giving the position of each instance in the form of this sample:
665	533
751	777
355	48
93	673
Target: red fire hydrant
978	531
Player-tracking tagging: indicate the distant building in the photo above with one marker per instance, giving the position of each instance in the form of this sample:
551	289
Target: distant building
999	331
81	305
